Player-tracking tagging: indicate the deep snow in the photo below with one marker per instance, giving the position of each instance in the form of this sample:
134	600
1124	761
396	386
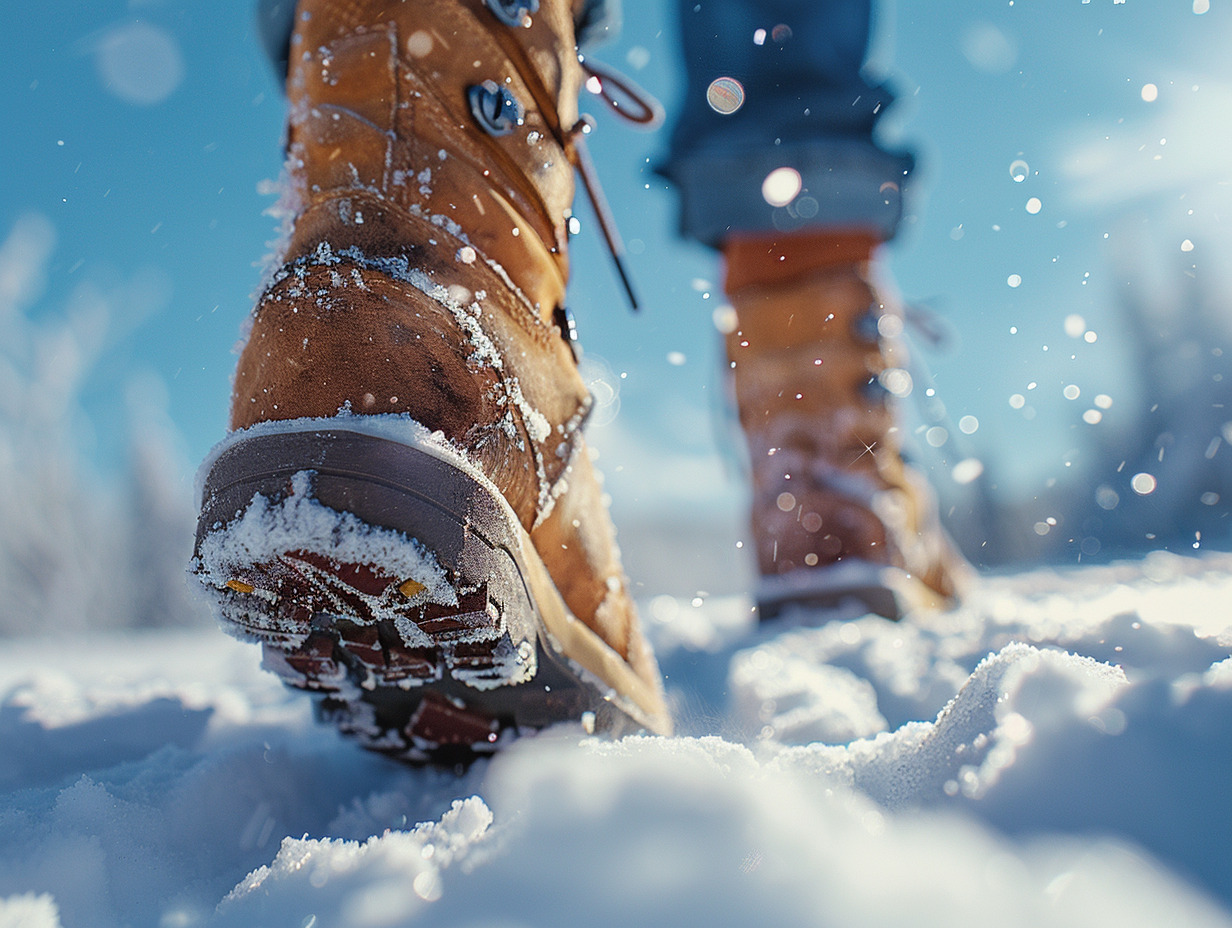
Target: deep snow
1056	752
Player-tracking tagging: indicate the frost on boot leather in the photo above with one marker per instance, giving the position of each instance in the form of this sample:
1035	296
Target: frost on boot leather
405	514
838	520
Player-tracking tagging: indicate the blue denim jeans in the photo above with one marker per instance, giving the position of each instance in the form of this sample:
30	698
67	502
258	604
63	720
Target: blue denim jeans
806	107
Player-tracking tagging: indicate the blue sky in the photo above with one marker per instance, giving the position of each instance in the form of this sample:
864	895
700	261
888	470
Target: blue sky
141	132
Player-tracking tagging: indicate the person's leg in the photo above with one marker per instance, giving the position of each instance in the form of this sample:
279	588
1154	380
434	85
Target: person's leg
406	515
777	167
804	106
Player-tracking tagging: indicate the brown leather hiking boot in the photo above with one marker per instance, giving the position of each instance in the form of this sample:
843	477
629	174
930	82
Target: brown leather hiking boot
836	515
405	515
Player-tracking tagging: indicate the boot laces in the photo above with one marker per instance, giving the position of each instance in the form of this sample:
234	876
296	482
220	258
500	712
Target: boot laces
633	104
628	101
623	97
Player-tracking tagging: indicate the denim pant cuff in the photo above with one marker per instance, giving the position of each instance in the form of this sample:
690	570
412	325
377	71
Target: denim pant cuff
844	183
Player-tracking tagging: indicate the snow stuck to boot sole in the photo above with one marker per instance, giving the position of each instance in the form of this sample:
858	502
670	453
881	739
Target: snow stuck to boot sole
381	572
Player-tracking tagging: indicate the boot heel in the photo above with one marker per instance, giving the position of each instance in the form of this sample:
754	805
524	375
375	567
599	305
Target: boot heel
391	579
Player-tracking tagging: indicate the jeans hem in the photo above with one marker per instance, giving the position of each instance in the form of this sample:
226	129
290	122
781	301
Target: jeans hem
844	183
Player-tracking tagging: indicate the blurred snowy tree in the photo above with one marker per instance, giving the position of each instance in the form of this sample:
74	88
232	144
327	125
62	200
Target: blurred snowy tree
75	554
1163	477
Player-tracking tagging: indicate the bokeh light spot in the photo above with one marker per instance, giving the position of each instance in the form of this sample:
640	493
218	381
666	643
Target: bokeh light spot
781	186
725	95
140	63
1143	484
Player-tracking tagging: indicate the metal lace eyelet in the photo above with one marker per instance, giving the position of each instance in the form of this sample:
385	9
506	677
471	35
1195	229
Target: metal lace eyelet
494	107
563	317
513	12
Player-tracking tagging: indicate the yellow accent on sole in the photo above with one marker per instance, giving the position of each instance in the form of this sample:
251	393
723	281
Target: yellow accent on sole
411	588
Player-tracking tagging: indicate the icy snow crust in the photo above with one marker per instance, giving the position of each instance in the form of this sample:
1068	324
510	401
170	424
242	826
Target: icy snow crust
1056	752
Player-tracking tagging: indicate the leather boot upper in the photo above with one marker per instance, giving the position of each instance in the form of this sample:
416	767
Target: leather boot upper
810	354
430	180
438	109
427	259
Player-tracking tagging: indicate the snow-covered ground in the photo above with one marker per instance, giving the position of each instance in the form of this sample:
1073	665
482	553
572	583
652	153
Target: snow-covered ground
1057	752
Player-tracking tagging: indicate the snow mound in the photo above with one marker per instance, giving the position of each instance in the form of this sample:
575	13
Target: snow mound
697	831
1012	698
382	881
1056	752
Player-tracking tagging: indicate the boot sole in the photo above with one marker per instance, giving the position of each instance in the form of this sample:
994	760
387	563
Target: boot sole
836	590
390	579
